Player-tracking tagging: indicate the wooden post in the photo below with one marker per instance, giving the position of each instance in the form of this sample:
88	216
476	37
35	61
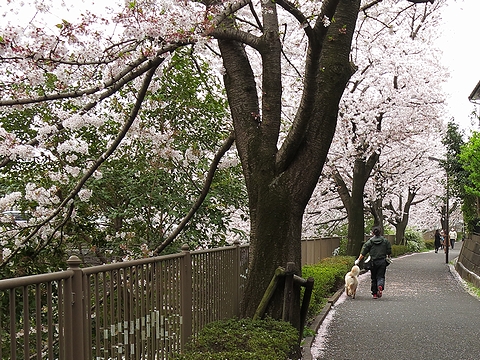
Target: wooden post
288	293
268	294
305	303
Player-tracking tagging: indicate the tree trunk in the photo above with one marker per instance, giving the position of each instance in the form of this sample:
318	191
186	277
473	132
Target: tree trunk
353	201
376	209
280	181
356	218
400	233
400	220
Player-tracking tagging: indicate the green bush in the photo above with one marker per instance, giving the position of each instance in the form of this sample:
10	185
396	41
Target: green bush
414	240
328	277
430	244
243	339
398	250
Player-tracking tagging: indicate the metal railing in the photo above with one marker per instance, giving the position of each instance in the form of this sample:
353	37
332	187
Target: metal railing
140	309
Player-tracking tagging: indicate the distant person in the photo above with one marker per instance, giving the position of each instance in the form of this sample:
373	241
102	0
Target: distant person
453	237
438	240
379	249
442	239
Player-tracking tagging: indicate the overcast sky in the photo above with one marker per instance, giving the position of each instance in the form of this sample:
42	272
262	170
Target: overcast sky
461	47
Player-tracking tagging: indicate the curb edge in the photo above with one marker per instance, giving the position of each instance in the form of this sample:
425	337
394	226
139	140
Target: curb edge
308	341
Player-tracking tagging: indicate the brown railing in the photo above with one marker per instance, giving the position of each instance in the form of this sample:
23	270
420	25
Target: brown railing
36	317
140	309
316	249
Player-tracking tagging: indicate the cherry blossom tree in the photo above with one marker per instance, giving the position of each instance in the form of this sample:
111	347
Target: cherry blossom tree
285	67
127	208
391	101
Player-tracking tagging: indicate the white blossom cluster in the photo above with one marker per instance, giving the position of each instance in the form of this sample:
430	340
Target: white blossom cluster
400	80
74	60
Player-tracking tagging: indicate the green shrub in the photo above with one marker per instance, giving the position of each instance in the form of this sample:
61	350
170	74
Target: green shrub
398	250
243	339
414	240
328	277
430	244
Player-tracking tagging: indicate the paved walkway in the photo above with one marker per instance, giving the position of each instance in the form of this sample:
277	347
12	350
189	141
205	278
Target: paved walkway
425	313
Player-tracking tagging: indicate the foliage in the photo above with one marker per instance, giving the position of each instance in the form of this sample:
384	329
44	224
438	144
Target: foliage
471	164
453	142
459	167
398	250
414	240
128	207
328	277
243	339
342	251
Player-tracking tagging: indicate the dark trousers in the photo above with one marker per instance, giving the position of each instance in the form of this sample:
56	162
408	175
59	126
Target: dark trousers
377	274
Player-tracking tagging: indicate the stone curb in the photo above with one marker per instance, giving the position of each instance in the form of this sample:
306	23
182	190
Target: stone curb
308	341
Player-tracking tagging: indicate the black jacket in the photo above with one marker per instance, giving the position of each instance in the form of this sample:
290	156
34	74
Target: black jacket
378	247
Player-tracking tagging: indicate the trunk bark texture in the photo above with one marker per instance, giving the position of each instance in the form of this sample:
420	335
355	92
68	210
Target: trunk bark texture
280	181
353	201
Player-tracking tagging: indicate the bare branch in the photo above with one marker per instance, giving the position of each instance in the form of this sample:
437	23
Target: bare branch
369	5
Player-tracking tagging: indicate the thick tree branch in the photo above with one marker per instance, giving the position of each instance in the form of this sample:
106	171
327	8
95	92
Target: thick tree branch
228	33
315	112
342	188
297	14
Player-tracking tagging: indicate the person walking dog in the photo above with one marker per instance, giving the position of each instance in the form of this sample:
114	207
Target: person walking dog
379	249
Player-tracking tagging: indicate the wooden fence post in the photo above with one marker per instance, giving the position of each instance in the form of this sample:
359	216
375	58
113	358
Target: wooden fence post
288	292
305	303
268	293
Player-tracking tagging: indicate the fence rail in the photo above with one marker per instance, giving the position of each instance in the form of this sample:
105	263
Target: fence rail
140	309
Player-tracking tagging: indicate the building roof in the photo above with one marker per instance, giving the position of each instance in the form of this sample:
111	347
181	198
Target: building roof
475	95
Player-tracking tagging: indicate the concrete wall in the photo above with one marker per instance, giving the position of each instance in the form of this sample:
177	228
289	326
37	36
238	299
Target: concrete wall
468	263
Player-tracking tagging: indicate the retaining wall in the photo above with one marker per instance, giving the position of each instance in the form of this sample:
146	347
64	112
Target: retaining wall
468	263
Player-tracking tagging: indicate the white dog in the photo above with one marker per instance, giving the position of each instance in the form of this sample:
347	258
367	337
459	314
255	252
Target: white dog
351	281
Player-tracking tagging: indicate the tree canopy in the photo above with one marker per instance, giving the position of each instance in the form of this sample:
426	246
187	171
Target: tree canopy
95	98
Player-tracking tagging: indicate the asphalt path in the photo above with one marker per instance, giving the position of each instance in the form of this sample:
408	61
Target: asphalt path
425	313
